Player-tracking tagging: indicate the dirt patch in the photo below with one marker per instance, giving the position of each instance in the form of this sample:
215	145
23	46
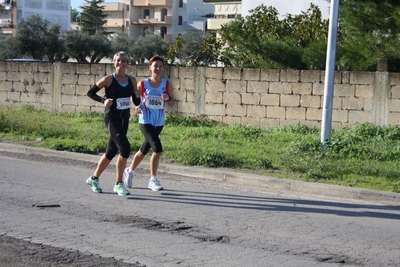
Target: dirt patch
19	253
178	227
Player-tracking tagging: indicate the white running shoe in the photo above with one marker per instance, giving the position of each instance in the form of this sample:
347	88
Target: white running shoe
127	177
154	184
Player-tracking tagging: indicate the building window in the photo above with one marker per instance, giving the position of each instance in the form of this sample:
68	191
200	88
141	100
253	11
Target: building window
180	20
180	3
146	13
145	29
163	31
127	8
127	24
163	14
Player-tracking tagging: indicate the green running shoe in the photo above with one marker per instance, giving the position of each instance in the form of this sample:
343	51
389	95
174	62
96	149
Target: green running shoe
94	184
121	190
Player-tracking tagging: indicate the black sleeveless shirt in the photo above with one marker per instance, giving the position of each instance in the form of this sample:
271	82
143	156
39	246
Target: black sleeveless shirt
116	91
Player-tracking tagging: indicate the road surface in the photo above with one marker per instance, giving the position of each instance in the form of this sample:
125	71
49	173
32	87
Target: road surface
49	215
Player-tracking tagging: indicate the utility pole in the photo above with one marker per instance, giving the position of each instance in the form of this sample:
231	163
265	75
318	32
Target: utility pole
80	20
329	74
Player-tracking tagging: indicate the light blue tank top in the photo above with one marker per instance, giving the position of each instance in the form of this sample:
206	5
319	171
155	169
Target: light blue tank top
153	107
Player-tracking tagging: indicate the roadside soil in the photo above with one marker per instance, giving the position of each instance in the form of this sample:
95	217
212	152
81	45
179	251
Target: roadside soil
19	253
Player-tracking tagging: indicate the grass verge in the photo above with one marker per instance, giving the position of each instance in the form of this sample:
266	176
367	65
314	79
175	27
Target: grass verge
364	156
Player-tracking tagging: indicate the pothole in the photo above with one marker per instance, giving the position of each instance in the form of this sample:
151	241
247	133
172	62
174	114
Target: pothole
177	227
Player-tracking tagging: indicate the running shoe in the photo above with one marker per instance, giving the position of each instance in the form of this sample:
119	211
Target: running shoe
154	184
94	184
121	190
127	177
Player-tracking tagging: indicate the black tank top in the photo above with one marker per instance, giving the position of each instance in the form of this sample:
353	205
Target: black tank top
115	91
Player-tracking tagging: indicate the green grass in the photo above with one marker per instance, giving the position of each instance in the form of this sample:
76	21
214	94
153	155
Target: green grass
364	156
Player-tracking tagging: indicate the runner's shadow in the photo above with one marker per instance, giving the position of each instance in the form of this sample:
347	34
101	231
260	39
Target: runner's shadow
234	201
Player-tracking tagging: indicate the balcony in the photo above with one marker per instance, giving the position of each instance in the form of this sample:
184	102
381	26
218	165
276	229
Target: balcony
7	29
6	23
138	3
114	23
154	21
113	7
215	24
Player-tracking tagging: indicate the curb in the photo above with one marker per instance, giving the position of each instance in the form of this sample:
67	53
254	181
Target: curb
240	180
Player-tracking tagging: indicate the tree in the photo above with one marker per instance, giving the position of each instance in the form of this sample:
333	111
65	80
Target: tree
148	46
122	42
75	15
77	45
86	48
100	47
307	27
193	48
93	17
187	49
5	48
210	51
261	40
369	31
37	38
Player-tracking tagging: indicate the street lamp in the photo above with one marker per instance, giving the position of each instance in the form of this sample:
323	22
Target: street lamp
204	19
80	20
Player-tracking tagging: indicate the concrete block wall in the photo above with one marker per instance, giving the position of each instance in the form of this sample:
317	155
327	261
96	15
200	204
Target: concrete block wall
254	97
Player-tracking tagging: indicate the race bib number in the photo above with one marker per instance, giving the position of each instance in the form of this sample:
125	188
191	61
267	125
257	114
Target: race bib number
154	102
123	103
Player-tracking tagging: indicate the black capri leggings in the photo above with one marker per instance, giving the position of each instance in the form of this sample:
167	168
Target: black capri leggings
118	141
151	140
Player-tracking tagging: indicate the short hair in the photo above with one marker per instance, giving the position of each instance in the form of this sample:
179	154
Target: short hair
155	58
122	54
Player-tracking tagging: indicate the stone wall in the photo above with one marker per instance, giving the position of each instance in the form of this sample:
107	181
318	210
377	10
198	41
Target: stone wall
255	97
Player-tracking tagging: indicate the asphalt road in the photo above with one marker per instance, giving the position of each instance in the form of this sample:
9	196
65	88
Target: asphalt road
50	217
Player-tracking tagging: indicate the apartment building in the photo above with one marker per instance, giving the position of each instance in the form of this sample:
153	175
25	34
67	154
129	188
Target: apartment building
56	12
225	12
7	18
12	11
167	18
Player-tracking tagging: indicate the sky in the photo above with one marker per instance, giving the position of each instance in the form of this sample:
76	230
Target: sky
288	6
77	3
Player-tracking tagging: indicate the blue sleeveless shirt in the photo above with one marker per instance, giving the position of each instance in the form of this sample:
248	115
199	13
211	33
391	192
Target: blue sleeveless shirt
151	103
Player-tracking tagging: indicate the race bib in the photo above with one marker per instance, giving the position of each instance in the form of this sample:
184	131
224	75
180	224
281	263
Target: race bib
123	103
154	102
